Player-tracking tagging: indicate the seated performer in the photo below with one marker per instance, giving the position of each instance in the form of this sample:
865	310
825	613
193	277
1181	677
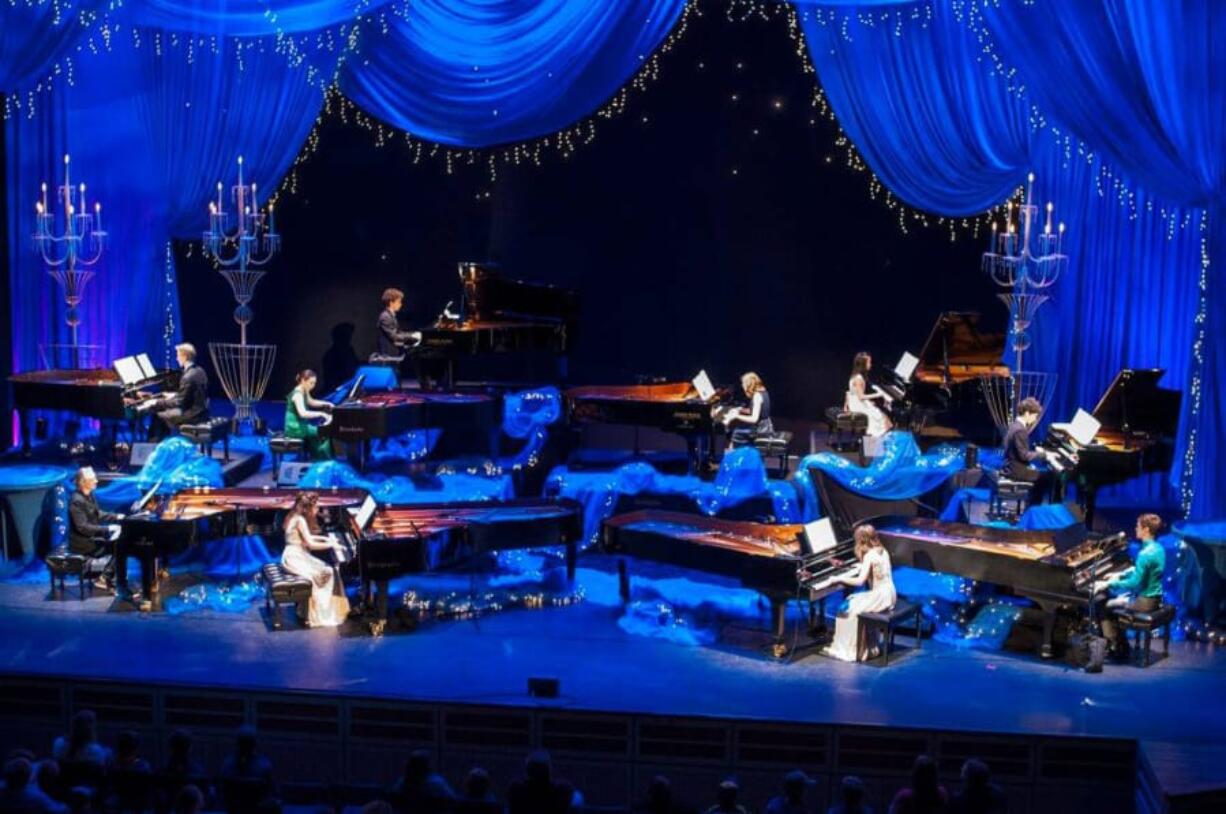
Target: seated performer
304	415
876	571
860	401
756	418
391	341
1140	589
1019	455
91	530
328	605
190	404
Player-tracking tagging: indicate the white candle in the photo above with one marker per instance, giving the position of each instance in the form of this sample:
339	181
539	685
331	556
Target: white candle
98	216
83	209
272	218
219	196
1049	208
44	196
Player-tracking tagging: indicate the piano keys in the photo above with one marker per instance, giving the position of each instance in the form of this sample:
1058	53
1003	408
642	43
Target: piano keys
1055	569
764	557
89	393
392	541
674	407
944	396
1136	435
497	315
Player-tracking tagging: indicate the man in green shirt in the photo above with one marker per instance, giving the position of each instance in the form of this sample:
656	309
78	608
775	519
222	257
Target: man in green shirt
1138	589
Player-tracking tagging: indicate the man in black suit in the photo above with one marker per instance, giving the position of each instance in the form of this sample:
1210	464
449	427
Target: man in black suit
190	404
1018	454
91	530
391	341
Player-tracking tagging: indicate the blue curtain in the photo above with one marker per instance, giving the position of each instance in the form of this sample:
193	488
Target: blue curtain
1142	82
476	73
35	34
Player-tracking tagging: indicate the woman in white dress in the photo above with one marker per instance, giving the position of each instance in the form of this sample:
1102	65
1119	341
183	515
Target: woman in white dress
327	606
859	400
874	570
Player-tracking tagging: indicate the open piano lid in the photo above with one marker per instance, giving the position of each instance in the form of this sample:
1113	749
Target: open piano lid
1134	396
958	331
490	296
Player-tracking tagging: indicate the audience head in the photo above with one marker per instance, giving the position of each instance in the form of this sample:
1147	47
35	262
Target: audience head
727	793
127	744
862	363
378	807
17	773
79	800
189	800
1029	410
925	785
975	774
851	792
417	767
659	792
48	776
1148	526
477	784
794	785
179	745
244	743
82	732
866	539
538	767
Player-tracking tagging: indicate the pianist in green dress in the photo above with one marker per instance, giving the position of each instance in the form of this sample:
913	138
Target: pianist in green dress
304	415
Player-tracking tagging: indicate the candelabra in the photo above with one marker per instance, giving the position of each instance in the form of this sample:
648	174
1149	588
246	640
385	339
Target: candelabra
238	254
71	253
1026	274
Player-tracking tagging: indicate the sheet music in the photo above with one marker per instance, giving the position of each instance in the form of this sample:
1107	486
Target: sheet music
1081	429
819	536
128	370
148	371
906	366
363	514
702	383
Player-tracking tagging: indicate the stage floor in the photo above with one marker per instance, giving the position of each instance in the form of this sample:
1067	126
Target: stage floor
604	668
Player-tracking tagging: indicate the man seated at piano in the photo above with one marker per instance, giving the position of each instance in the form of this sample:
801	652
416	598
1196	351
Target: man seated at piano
874	570
92	531
1019	456
391	342
328	606
754	420
859	400
190	403
305	414
1138	589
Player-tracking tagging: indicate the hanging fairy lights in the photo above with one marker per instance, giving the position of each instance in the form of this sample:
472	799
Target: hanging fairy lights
1187	488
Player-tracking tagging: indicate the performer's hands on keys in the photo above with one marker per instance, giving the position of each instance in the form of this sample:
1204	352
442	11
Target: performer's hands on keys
414	338
325	421
113	531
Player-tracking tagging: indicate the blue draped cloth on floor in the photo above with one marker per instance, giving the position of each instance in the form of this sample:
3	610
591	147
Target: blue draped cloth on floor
176	464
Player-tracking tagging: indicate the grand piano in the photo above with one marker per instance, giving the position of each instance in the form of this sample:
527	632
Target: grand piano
1136	435
89	393
944	397
767	558
497	315
391	541
365	417
673	407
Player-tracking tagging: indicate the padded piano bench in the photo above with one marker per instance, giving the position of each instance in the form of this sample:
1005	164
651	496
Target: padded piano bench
1008	499
281	445
847	430
282	588
62	563
208	433
775	445
1144	624
887	621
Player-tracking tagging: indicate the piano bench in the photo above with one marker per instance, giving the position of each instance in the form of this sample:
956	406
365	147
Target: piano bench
282	588
208	433
1144	624
281	445
887	620
1009	498
776	445
62	563
846	429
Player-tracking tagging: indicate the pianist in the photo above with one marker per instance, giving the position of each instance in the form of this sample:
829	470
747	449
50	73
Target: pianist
304	414
755	420
1019	456
190	404
1138	589
327	605
391	341
91	530
858	400
875	571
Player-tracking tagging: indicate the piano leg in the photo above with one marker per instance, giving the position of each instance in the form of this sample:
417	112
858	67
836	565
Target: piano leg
1091	502
779	616
1046	650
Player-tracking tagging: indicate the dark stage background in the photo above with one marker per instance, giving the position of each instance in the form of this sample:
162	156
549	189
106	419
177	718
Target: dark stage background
702	230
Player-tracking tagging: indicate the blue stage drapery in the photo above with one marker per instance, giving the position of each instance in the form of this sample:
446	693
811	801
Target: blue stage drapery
35	34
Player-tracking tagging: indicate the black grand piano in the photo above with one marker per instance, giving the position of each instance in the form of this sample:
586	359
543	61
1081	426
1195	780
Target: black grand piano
1055	569
944	396
96	394
674	407
1137	419
497	315
391	541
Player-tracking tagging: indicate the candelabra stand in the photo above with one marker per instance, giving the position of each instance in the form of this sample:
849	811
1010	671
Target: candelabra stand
239	253
1026	263
70	249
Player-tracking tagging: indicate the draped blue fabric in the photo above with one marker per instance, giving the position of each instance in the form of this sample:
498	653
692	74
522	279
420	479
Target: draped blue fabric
35	34
246	17
176	464
397	489
475	73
